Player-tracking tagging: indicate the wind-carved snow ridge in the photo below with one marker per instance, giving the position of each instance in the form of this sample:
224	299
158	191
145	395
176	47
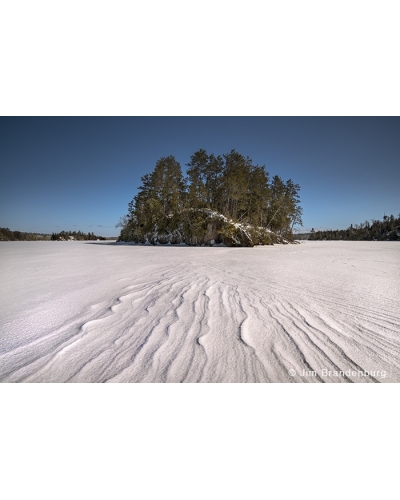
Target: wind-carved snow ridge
173	314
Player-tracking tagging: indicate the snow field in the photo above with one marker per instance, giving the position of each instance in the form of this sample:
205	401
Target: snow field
100	312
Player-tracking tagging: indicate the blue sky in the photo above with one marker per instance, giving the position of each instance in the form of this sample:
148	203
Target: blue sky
81	172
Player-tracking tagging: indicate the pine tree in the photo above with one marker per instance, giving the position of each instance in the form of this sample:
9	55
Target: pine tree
229	185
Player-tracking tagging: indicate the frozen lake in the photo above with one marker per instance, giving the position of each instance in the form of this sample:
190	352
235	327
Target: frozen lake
100	312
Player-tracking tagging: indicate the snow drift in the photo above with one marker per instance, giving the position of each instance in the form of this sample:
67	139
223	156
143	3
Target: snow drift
99	312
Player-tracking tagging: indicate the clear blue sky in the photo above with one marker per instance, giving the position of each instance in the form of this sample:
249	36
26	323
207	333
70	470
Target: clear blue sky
80	172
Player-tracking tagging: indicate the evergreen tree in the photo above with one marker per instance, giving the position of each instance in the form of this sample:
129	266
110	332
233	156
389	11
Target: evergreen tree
229	185
235	185
259	196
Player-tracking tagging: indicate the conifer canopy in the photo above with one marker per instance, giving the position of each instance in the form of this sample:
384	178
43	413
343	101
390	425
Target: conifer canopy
223	199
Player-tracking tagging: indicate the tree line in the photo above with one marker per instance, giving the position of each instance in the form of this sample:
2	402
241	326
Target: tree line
7	235
386	229
229	185
76	235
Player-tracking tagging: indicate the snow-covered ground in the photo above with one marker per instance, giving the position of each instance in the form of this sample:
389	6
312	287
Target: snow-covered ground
97	312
